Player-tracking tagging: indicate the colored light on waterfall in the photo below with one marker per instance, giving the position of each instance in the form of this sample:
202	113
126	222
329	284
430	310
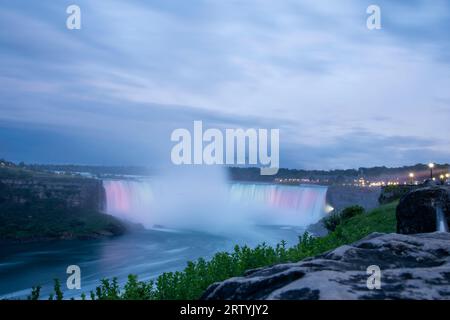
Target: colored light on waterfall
297	205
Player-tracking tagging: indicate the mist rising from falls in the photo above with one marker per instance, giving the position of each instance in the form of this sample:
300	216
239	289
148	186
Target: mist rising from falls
208	202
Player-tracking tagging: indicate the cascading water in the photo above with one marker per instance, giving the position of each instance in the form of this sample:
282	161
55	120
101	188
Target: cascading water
296	205
441	221
230	205
129	199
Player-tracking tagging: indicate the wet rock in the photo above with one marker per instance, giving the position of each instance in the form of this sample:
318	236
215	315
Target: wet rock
416	212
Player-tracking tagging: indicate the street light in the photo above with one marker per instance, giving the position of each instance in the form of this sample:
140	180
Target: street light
411	177
431	166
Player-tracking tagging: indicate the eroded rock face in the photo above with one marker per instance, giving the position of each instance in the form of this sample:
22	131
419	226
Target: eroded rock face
416	212
412	267
78	193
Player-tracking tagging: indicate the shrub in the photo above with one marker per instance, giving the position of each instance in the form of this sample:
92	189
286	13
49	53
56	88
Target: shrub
332	221
57	294
335	219
352	211
35	293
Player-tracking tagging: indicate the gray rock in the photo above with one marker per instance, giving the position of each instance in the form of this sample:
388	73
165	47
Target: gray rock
412	267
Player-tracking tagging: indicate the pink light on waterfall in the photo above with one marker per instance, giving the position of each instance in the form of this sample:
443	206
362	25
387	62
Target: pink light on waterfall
298	204
128	199
118	198
152	202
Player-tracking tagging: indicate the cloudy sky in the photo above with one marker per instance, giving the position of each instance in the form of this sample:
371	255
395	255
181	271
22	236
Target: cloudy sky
342	96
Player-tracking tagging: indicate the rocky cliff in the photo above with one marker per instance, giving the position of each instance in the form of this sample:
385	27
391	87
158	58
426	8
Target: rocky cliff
73	192
340	197
412	267
45	207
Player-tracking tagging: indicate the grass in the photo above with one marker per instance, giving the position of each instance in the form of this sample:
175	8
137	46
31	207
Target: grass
381	219
197	276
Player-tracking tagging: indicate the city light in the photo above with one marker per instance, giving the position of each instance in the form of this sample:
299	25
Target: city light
411	177
431	166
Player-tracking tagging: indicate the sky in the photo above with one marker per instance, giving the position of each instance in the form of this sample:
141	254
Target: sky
342	96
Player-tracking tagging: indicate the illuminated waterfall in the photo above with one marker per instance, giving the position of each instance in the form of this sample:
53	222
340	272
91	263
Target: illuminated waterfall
152	203
298	205
128	199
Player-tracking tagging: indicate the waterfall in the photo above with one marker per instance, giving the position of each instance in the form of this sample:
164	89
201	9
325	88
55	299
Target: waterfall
228	205
441	221
300	205
129	199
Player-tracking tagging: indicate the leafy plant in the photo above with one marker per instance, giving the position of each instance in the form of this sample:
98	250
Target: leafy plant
352	211
57	292
335	219
35	293
332	221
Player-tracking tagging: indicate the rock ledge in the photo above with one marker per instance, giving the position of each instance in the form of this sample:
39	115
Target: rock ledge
412	267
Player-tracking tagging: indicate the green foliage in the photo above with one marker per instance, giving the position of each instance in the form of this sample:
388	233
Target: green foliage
108	290
138	290
197	276
394	192
35	293
333	220
352	211
58	294
49	218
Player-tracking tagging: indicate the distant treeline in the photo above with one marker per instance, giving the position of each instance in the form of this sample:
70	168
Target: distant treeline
94	170
421	171
338	176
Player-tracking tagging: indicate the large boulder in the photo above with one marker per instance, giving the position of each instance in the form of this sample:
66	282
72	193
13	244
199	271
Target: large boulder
416	212
412	267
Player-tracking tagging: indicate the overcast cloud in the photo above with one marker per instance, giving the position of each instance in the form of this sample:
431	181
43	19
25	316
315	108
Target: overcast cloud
342	96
